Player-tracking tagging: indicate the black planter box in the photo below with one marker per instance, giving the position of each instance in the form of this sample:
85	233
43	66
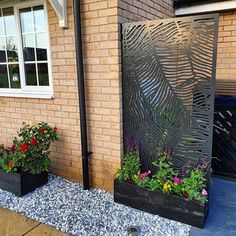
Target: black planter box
21	183
158	203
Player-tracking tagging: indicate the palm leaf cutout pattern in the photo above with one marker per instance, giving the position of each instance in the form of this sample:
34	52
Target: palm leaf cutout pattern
168	86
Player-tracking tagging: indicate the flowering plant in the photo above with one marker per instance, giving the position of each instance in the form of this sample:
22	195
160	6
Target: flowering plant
166	179
29	152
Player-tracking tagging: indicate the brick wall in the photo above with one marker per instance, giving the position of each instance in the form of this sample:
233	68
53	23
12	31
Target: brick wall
139	10
103	88
226	54
100	21
61	112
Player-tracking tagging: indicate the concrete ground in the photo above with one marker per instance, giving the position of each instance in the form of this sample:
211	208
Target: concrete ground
221	220
13	224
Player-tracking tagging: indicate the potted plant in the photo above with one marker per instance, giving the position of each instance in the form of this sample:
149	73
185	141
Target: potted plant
24	166
165	191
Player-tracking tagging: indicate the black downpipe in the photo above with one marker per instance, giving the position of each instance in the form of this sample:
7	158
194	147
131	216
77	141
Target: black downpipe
81	90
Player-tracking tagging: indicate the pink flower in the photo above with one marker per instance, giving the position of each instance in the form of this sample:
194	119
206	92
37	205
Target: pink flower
145	174
177	180
204	192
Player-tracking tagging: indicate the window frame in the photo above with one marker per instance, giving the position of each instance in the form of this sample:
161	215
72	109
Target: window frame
25	90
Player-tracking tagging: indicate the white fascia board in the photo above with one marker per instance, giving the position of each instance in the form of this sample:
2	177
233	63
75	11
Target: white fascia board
206	8
60	7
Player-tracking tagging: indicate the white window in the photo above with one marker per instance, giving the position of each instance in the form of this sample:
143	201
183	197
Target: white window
25	67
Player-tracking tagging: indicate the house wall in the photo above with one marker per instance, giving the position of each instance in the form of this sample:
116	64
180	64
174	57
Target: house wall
141	10
226	53
102	55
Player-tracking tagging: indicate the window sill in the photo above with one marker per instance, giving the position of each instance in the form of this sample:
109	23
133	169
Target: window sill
19	94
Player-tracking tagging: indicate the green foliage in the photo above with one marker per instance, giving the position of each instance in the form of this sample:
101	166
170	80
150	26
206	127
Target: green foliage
143	183
130	166
166	179
164	174
193	185
29	153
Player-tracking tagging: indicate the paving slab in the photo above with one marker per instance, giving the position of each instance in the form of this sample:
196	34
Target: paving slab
13	224
221	220
44	230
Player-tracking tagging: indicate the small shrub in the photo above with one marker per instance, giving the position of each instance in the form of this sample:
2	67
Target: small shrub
30	152
162	180
130	166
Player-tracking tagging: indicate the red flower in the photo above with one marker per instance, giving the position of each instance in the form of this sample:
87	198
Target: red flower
55	129
34	141
10	165
42	130
24	147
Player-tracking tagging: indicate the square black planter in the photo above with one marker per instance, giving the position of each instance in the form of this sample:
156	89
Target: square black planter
158	203
21	183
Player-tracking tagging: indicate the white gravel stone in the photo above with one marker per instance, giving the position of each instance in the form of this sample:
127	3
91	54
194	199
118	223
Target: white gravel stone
67	207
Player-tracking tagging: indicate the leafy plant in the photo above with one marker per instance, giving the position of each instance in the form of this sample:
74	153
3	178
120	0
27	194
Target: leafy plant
143	180
29	153
190	184
164	174
130	167
194	186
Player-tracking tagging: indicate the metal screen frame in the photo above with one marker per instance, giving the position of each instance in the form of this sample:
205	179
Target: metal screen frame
169	69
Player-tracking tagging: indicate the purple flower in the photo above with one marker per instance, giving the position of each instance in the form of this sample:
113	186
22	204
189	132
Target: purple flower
145	174
177	180
169	151
131	144
204	192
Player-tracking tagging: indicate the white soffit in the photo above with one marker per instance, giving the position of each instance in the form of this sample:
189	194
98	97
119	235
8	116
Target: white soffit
205	8
60	7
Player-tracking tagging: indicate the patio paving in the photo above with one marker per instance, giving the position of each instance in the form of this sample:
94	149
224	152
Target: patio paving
13	224
221	220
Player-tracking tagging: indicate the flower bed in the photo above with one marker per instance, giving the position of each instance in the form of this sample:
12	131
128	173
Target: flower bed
181	196
24	165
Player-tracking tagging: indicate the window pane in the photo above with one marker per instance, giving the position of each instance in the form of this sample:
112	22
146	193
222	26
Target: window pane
2	50
41	47
30	74
12	50
39	18
9	20
26	18
28	47
1	24
14	76
43	74
3	77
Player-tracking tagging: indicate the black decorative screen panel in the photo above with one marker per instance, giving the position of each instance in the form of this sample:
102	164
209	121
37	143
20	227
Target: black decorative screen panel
224	137
168	86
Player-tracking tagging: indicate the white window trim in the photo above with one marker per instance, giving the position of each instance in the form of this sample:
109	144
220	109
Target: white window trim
206	8
45	92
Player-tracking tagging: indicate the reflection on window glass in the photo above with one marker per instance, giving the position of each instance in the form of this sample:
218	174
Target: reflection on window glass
2	50
43	74
14	75
28	47
12	51
26	19
1	24
3	77
30	74
9	21
41	47
39	18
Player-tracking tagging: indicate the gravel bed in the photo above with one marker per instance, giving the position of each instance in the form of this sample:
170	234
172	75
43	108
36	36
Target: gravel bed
65	206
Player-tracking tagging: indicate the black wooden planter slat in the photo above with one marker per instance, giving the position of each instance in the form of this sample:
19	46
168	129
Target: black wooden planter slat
158	203
21	184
